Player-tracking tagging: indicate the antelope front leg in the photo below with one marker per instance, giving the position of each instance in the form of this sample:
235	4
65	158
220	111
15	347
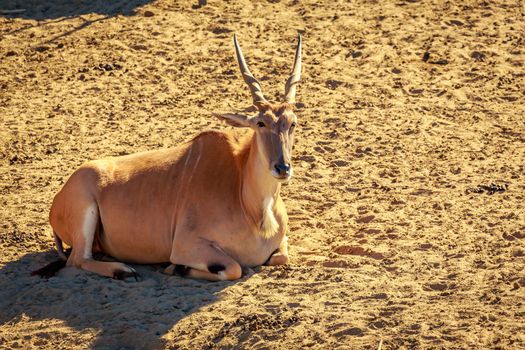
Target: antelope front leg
280	256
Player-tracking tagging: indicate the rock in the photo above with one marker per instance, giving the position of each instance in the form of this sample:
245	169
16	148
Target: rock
440	62
333	84
41	48
478	56
455	22
221	30
416	91
365	219
139	47
354	331
339	163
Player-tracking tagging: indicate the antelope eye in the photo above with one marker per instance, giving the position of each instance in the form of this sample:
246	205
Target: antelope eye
260	124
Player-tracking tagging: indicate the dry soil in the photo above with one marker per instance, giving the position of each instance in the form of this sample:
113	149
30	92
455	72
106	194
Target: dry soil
407	222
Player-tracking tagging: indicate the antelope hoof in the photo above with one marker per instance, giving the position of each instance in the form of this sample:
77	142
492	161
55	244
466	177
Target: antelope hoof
216	268
278	260
123	274
247	271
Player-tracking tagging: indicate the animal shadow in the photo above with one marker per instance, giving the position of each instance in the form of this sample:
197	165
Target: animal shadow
55	9
124	314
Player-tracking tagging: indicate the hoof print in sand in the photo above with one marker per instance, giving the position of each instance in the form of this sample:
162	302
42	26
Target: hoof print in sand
489	189
356	250
255	322
123	275
438	287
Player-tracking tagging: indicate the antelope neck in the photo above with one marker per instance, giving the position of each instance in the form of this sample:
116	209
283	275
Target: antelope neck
258	186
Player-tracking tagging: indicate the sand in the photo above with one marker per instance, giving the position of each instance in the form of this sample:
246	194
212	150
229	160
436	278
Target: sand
406	108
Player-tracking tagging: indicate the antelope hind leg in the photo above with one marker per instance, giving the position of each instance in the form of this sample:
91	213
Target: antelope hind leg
84	225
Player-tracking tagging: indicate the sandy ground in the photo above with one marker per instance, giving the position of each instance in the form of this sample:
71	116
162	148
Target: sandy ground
406	108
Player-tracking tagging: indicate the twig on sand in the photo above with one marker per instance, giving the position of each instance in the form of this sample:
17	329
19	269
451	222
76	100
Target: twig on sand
10	12
380	344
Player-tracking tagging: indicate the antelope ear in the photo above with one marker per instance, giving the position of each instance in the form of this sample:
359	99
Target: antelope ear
237	120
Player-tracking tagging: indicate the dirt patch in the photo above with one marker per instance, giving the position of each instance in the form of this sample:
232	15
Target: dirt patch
402	107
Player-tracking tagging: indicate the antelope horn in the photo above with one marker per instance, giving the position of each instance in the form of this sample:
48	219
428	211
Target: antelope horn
253	84
295	76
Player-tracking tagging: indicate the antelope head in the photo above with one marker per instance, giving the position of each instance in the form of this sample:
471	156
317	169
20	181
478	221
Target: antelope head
274	123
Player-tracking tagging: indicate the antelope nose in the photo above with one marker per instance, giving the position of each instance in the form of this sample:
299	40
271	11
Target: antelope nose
282	168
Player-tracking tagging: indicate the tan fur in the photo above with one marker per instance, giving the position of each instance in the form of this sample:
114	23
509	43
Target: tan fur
167	205
269	224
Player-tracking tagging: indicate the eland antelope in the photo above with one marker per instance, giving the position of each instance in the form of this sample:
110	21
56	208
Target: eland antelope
209	207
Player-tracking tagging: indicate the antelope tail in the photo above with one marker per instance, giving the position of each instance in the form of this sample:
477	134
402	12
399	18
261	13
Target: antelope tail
60	247
51	269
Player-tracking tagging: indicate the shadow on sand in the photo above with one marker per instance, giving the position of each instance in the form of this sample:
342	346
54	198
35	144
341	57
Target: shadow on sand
126	314
54	9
